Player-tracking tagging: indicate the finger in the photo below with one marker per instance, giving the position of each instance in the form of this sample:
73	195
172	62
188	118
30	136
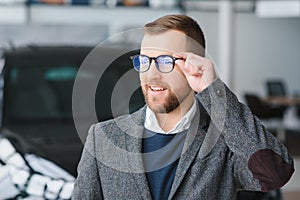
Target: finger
194	67
186	55
190	70
182	66
187	68
183	55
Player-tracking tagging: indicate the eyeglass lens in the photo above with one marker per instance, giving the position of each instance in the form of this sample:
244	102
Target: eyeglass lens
164	63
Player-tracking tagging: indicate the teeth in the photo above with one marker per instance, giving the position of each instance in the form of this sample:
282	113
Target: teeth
157	89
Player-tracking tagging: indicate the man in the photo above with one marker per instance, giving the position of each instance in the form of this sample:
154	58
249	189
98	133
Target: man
193	139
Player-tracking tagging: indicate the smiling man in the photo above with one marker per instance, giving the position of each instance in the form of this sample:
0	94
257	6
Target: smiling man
166	93
192	140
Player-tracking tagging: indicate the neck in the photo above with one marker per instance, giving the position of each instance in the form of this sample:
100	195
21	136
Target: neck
168	121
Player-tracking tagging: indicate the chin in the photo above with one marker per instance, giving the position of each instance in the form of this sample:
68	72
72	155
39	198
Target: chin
163	108
157	108
166	105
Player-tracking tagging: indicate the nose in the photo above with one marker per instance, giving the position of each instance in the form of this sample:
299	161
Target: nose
153	72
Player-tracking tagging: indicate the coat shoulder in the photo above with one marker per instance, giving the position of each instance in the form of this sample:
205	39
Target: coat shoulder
122	123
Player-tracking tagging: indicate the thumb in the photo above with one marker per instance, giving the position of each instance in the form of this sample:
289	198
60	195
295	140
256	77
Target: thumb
181	63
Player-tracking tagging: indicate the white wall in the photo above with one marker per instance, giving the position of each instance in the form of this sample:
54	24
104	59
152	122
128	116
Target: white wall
263	48
208	22
266	48
35	34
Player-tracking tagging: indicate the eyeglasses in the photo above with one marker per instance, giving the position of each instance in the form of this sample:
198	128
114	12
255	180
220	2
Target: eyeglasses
163	63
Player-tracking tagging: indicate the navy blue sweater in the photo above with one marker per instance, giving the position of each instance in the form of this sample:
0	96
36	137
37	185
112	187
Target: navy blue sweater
161	157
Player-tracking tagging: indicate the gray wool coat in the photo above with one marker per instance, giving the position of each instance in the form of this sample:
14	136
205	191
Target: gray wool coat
226	149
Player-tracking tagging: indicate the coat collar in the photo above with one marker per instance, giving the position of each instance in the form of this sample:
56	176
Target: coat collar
133	142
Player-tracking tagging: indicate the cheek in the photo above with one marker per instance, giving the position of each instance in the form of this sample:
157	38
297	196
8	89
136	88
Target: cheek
179	77
179	71
143	78
178	81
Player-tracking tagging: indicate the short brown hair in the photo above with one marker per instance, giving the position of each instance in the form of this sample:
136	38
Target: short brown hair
181	23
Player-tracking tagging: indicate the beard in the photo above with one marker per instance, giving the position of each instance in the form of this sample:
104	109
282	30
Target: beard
171	102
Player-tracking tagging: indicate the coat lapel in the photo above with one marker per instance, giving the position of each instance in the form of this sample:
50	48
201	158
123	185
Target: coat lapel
192	144
133	142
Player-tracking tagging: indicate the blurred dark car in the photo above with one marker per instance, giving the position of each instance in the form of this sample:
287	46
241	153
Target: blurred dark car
37	99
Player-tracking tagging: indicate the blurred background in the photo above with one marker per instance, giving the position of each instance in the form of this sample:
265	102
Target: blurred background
254	44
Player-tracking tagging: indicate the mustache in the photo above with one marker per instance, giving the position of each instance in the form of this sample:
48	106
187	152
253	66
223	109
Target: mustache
155	83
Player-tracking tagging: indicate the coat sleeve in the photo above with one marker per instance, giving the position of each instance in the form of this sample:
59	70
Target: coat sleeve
87	184
260	161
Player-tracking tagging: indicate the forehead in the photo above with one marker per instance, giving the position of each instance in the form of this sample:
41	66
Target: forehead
163	43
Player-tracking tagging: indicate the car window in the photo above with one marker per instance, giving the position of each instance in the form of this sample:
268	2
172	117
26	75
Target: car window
43	92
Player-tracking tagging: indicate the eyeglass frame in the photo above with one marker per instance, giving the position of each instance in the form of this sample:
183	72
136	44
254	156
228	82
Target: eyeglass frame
155	61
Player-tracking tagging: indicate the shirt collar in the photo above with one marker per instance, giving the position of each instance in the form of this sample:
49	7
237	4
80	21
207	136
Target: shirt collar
152	124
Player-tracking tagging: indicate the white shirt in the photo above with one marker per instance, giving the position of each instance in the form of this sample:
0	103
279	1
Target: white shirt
152	124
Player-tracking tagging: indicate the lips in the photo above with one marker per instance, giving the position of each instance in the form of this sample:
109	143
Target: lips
157	88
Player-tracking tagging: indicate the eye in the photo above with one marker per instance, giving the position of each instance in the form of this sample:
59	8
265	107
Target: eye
165	60
143	60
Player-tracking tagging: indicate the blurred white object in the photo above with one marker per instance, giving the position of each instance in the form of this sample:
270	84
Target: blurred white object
66	192
53	188
162	4
7	189
36	185
12	2
277	8
6	149
18	177
48	168
40	179
111	3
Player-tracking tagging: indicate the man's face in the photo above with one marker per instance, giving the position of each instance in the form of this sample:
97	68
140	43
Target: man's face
164	92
